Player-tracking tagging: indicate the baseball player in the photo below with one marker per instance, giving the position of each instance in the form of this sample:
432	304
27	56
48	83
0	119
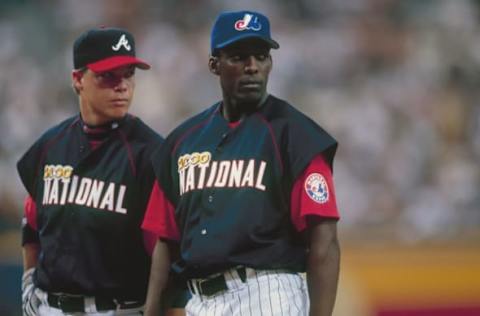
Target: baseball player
246	189
88	181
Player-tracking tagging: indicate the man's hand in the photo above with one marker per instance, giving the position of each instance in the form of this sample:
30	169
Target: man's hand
30	300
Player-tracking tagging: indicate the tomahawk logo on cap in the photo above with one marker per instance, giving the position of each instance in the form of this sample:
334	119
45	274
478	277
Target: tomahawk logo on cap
103	49
122	42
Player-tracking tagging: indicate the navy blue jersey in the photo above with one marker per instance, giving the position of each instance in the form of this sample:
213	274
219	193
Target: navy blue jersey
90	204
230	187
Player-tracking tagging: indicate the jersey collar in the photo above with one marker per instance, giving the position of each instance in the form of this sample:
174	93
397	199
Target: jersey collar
102	129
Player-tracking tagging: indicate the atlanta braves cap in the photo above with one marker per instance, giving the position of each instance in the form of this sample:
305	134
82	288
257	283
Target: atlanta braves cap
103	49
234	26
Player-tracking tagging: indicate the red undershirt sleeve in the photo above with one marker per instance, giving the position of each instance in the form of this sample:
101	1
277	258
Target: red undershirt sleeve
313	193
29	222
159	218
30	211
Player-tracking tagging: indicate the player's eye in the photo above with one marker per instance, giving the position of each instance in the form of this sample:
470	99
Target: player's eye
236	57
129	73
261	57
107	75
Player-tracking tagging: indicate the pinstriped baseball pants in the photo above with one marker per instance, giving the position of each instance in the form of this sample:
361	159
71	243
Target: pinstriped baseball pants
265	292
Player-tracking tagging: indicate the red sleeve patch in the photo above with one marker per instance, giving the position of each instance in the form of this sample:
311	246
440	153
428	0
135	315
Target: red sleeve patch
316	188
313	194
160	216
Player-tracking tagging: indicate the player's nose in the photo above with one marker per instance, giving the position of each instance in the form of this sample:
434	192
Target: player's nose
121	84
251	64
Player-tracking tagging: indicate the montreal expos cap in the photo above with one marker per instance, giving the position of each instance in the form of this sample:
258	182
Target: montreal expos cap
234	26
103	49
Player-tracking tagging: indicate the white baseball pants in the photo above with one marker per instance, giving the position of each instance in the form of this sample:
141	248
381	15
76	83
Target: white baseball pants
264	292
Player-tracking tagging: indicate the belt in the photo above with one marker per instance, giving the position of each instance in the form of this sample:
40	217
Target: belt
213	285
72	304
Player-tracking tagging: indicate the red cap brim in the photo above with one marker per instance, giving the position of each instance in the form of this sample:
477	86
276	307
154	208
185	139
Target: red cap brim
115	62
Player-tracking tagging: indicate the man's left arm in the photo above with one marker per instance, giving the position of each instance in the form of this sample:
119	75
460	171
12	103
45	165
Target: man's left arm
323	265
314	210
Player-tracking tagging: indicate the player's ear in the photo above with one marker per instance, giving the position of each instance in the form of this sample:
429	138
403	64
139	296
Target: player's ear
77	80
213	65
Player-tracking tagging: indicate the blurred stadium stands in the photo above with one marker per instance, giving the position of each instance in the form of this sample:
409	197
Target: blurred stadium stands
395	81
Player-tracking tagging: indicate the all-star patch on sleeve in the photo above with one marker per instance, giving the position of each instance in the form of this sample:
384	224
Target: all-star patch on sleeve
313	193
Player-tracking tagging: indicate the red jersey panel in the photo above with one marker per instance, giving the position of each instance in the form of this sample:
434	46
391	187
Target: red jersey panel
160	215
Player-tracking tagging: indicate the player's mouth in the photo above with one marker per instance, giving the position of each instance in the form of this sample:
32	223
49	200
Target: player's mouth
250	84
119	102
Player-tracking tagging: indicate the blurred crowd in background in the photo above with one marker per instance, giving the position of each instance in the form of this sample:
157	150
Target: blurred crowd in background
397	82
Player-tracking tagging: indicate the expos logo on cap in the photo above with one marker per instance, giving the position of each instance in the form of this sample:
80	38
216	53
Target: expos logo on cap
249	22
103	49
231	27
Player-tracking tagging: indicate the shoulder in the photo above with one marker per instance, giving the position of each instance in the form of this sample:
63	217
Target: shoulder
191	124
278	109
28	164
60	128
141	132
298	134
177	135
55	131
280	113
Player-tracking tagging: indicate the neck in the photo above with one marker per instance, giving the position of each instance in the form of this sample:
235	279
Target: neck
91	118
88	117
234	111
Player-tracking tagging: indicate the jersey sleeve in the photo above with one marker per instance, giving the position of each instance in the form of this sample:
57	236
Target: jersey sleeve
313	193
160	215
29	222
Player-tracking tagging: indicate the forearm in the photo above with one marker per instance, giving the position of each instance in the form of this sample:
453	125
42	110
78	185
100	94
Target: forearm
30	255
322	272
158	279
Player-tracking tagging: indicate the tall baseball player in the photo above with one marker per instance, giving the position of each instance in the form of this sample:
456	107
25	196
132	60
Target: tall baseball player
88	180
246	189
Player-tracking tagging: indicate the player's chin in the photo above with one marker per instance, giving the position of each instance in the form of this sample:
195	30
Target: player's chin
117	112
249	96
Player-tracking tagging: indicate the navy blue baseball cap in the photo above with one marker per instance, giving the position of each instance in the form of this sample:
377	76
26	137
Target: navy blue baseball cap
231	27
103	49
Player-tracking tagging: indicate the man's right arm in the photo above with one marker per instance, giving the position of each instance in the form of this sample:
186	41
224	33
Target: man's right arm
30	240
159	219
158	279
30	255
30	251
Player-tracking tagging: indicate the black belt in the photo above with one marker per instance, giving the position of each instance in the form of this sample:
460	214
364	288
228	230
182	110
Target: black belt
72	304
213	285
